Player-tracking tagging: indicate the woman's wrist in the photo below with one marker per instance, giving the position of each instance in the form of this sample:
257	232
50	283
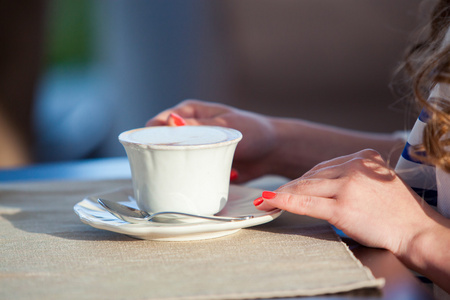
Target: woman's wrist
291	155
427	251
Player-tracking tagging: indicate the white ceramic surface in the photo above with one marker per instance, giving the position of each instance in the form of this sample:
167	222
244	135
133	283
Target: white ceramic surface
240	203
184	169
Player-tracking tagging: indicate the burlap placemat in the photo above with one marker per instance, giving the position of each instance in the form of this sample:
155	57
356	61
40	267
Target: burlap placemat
48	253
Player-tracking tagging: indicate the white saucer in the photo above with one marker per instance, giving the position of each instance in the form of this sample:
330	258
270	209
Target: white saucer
240	202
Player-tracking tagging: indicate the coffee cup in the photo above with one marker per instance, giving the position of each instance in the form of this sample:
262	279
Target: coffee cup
182	169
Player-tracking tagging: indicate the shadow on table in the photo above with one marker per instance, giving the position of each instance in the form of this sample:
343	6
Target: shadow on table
71	229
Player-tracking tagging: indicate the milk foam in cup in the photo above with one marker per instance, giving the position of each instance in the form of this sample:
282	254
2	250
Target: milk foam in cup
183	169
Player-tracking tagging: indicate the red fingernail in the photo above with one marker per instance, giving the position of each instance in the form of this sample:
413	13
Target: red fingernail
258	201
179	121
269	195
234	174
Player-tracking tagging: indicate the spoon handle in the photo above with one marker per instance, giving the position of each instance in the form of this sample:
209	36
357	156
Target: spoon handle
133	215
214	218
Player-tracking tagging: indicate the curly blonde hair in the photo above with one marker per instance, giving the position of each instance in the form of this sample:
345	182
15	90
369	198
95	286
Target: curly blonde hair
428	63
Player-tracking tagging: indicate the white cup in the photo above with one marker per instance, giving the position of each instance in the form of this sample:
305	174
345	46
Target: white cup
183	169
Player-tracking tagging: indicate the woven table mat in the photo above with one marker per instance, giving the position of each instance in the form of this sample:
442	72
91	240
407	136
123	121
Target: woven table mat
47	252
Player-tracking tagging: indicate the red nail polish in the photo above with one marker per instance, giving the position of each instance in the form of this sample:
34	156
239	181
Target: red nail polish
269	195
234	174
258	201
179	121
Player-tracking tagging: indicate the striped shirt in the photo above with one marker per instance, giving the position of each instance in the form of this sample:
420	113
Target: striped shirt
432	183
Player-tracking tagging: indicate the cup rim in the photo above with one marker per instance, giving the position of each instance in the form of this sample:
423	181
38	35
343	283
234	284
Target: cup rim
124	141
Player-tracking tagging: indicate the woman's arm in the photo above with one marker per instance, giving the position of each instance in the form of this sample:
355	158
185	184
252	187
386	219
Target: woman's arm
428	253
302	145
282	146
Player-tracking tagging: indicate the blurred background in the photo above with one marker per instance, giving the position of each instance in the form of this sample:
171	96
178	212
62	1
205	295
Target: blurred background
76	73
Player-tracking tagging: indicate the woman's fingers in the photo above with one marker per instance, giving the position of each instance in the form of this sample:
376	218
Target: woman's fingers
313	197
342	160
313	206
175	119
321	187
194	112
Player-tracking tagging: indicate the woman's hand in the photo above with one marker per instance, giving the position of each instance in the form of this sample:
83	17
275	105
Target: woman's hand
360	195
363	197
258	143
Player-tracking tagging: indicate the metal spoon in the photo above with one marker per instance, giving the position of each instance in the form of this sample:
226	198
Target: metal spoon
132	215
